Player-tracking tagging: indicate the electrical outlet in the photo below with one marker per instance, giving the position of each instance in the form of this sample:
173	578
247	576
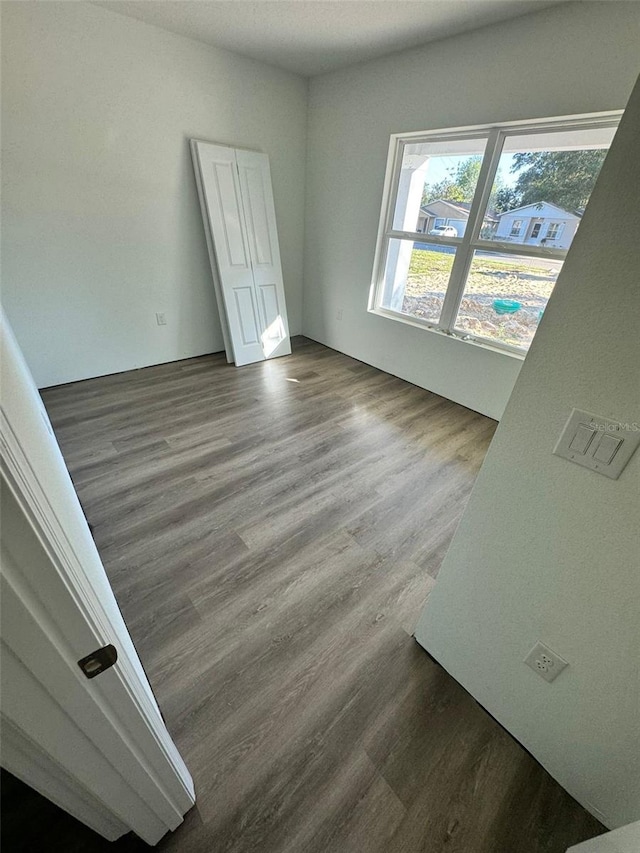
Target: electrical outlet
547	663
339	314
161	318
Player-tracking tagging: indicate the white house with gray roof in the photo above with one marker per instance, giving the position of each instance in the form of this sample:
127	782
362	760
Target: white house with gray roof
539	224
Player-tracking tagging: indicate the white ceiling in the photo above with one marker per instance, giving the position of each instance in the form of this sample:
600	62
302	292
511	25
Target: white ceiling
314	36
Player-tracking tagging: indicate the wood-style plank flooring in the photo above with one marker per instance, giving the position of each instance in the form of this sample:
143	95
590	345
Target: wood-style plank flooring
271	534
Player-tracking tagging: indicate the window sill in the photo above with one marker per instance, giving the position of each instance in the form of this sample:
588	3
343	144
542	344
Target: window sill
452	336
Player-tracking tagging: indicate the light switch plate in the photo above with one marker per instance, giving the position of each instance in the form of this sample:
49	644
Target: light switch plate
614	441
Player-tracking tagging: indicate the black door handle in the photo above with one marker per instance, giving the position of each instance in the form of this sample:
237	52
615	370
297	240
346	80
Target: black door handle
98	661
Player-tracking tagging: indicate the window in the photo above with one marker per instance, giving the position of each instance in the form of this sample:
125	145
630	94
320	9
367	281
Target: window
553	231
486	276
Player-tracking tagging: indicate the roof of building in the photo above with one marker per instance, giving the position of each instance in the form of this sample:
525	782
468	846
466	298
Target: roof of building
459	206
462	208
538	205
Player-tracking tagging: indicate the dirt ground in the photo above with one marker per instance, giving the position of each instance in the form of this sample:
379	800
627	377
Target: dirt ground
525	280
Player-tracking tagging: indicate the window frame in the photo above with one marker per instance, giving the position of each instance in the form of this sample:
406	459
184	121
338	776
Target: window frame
470	242
557	226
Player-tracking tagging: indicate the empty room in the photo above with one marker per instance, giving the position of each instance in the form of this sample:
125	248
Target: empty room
319	424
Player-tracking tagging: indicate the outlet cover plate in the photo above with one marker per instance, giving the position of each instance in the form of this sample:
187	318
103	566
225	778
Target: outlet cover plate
545	662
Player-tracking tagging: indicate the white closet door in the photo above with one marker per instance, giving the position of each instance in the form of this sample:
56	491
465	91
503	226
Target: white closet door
238	209
221	186
260	218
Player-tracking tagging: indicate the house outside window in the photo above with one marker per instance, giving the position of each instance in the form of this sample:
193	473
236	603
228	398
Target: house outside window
491	283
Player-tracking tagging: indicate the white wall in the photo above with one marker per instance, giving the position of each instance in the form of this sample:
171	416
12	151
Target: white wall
624	840
101	222
574	59
549	551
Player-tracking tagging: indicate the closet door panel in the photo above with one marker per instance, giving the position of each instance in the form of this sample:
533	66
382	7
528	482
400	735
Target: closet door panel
249	321
257	215
274	329
231	221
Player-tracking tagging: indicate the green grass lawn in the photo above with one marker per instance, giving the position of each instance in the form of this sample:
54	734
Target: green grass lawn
500	277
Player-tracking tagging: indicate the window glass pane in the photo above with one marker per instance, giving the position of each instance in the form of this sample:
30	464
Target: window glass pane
505	297
542	186
416	278
436	185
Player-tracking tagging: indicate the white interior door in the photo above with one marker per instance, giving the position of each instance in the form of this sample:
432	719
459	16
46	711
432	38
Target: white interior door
238	209
264	250
96	746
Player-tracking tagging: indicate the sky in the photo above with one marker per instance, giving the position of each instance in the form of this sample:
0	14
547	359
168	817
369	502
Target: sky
441	167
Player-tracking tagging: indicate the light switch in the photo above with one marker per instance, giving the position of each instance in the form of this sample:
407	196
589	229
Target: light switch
598	443
582	439
607	449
